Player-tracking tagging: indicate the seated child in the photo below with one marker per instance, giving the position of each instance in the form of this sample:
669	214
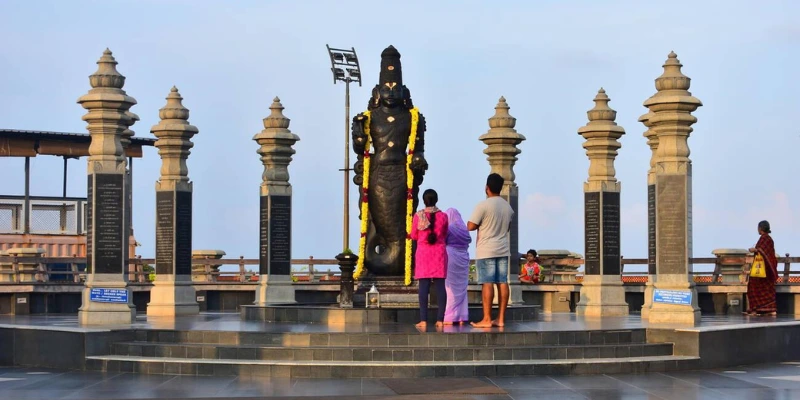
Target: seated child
529	273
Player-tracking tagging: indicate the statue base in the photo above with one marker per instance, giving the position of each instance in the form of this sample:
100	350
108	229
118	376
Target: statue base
393	292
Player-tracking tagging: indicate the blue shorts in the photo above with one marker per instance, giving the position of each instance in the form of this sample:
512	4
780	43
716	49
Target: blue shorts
493	270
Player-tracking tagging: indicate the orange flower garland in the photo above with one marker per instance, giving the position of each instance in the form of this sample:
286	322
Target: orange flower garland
362	245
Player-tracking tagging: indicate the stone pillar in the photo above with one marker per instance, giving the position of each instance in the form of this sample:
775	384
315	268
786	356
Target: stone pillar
106	298
275	252
32	270
347	264
733	264
652	141
130	250
674	294
173	293
602	293
5	269
206	273
501	148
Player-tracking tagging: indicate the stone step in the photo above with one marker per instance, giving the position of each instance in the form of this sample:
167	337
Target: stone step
398	353
391	339
381	369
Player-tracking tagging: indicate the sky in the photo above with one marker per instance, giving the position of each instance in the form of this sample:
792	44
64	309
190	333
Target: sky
548	58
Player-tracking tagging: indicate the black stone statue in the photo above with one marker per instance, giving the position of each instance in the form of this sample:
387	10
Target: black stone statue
389	131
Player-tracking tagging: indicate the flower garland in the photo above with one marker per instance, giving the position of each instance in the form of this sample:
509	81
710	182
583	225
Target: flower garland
362	245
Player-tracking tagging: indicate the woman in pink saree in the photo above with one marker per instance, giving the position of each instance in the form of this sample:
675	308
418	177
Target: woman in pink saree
458	241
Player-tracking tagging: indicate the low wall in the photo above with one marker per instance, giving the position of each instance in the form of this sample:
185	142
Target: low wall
52	298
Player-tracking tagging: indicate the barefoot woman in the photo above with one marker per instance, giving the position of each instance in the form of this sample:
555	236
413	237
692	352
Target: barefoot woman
761	291
429	230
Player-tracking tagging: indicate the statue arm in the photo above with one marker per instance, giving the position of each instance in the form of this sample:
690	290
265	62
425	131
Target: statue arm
419	165
359	137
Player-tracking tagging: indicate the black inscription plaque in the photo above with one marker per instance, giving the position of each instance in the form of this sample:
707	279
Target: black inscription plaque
183	233
174	232
88	219
591	206
109	220
611	233
263	235
671	224
165	232
651	229
280	227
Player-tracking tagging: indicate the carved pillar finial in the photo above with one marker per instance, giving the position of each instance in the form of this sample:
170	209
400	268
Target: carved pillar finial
174	135
501	142
276	150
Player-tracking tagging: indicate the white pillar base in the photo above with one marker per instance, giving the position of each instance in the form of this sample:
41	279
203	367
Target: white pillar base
172	296
96	313
274	289
661	313
602	296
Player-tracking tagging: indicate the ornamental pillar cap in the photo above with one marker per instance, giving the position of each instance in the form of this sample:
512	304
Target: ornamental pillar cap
107	75
276	125
672	87
601	119
174	116
501	126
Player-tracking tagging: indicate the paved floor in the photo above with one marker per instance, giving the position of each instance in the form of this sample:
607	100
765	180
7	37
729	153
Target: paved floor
762	382
232	322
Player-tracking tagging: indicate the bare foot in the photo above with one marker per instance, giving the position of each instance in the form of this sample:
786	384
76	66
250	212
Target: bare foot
482	324
422	325
439	324
446	323
498	324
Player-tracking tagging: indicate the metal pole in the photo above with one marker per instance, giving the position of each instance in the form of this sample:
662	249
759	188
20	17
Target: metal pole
346	229
64	192
27	211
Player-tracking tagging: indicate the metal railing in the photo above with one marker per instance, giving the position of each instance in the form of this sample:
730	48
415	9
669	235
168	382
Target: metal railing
305	271
44	215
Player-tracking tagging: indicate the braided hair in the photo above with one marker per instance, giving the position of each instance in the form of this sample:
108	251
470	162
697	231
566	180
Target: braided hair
430	198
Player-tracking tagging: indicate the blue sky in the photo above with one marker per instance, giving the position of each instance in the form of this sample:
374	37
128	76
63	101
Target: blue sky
548	58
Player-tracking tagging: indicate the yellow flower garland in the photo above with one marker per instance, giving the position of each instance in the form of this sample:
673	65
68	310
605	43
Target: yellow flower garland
362	245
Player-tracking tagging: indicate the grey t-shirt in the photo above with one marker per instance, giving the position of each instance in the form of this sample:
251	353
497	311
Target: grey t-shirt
493	217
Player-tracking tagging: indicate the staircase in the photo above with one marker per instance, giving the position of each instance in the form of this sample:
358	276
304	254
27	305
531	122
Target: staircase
389	354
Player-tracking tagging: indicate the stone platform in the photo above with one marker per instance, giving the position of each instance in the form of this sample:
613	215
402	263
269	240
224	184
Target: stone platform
557	344
325	314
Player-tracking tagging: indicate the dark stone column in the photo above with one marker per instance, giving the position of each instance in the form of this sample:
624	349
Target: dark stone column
106	298
173	293
275	228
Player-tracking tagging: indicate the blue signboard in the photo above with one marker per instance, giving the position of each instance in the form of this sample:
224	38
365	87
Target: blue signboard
109	295
678	297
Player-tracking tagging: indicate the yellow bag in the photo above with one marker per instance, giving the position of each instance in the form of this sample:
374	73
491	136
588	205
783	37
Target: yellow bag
758	270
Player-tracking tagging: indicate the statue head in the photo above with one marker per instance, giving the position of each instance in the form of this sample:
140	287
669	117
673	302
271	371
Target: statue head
390	91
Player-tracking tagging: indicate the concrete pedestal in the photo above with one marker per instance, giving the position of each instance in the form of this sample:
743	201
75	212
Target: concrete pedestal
662	313
648	296
274	289
602	296
98	313
171	298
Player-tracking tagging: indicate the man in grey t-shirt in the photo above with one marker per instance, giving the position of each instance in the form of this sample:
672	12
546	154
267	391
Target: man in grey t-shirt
492	220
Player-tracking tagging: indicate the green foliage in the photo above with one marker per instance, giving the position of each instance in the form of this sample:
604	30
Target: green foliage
347	252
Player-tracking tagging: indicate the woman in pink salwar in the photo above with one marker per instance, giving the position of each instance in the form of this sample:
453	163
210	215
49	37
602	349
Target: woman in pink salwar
458	241
429	230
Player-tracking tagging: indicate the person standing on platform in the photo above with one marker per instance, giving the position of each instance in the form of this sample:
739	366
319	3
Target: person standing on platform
458	241
429	230
492	220
761	291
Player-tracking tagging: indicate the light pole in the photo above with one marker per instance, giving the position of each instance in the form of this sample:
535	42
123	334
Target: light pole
344	66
